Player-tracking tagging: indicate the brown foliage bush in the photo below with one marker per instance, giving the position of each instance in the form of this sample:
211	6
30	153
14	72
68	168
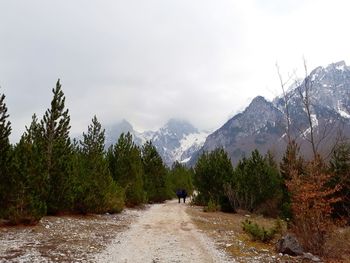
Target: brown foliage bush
312	206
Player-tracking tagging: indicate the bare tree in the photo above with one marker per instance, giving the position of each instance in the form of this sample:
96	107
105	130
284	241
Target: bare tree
286	98
304	93
315	136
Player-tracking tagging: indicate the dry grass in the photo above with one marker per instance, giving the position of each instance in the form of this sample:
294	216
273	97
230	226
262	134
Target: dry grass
338	246
226	230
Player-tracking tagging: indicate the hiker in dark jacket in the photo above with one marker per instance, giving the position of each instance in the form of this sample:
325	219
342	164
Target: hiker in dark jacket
181	193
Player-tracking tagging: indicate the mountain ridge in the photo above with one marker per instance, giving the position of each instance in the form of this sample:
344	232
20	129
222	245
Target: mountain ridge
176	140
262	124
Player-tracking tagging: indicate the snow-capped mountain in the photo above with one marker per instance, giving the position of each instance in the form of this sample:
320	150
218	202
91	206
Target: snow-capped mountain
262	125
177	140
114	131
329	89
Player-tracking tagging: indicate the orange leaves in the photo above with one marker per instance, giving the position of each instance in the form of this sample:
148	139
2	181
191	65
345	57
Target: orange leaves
312	204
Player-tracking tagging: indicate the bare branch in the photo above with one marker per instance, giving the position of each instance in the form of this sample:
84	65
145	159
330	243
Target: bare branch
286	102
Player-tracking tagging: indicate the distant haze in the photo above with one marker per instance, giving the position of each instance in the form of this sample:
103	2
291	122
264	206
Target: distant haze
149	61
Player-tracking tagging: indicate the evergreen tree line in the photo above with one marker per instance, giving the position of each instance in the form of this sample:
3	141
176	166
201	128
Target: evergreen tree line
48	173
259	184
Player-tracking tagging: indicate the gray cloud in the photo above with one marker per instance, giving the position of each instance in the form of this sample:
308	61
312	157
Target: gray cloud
147	61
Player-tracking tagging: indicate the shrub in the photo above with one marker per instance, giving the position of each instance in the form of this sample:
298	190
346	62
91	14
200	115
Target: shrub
312	206
211	207
225	205
260	233
114	199
199	199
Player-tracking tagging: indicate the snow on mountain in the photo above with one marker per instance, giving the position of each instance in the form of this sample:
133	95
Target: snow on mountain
343	112
188	145
177	140
262	125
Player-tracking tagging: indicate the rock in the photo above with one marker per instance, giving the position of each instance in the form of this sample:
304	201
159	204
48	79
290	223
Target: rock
311	257
289	245
228	245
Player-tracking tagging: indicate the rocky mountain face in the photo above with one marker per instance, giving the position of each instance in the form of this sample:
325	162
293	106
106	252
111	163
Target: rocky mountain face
177	140
262	125
114	131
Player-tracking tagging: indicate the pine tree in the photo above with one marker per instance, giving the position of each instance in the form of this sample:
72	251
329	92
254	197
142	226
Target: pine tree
212	171
270	159
256	184
5	152
155	180
292	163
28	203
340	168
57	151
96	190
181	177
126	167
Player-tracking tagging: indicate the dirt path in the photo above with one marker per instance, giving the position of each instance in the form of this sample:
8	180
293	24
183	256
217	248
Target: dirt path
163	233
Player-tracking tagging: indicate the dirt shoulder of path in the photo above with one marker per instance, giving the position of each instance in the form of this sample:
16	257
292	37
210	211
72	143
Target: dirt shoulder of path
168	232
63	238
226	231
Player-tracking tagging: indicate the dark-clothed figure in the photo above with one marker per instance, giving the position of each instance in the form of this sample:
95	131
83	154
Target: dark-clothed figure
181	193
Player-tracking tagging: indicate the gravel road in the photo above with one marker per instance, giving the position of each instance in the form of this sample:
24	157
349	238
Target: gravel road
163	233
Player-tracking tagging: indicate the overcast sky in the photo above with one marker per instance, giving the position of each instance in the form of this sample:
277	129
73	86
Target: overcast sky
151	60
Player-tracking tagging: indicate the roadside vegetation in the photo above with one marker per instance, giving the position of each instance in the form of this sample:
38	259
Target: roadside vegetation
48	173
312	194
308	198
